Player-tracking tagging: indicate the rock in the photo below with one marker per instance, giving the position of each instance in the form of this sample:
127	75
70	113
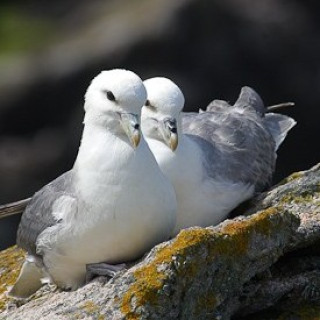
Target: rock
238	268
10	264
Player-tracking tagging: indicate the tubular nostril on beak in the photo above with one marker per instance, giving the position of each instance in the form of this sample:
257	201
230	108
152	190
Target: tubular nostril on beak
170	133
131	126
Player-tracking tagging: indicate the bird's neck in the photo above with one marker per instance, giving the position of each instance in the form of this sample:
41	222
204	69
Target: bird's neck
174	163
100	146
99	151
164	154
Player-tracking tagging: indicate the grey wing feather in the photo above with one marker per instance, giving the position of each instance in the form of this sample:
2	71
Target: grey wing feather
38	214
250	98
236	146
238	142
217	105
278	125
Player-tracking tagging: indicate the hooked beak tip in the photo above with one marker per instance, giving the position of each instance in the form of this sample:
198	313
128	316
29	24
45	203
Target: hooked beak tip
136	137
173	143
169	133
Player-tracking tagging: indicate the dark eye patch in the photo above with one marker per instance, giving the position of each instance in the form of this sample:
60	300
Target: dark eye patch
110	95
150	106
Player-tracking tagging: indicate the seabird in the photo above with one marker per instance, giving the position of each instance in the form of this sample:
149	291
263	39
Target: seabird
112	206
225	154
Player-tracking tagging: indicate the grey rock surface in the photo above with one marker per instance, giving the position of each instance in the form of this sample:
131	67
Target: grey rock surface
237	268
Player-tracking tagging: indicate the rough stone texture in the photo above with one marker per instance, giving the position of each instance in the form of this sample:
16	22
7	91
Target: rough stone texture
268	259
10	263
300	195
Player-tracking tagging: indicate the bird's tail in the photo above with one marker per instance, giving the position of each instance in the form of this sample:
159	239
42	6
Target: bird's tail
278	125
29	280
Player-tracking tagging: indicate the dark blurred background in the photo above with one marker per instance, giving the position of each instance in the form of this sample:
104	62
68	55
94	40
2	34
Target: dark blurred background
49	52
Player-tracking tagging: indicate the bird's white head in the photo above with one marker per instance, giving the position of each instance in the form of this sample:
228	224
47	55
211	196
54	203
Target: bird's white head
161	112
116	97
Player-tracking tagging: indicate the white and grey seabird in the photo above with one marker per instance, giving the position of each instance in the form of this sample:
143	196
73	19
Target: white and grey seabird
113	205
224	155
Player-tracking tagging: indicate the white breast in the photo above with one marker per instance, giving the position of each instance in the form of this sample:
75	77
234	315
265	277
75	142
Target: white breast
127	207
202	201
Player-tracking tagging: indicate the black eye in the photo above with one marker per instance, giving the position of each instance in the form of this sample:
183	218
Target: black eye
110	96
147	104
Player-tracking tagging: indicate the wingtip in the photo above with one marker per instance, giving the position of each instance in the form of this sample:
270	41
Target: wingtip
279	125
28	282
249	97
247	89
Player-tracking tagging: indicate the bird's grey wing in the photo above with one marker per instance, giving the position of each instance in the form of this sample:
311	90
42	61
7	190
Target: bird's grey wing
278	125
250	98
38	214
217	127
217	105
235	146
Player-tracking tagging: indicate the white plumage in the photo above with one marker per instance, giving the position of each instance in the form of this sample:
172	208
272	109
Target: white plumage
114	204
224	154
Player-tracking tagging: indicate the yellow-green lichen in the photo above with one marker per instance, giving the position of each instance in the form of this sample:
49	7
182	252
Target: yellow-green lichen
293	176
149	281
303	197
242	231
87	309
233	239
11	261
91	309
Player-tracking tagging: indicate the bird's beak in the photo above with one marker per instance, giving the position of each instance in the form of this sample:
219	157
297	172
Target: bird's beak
131	126
170	133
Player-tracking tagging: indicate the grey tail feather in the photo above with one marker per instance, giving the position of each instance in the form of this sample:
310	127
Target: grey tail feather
28	282
278	125
249	97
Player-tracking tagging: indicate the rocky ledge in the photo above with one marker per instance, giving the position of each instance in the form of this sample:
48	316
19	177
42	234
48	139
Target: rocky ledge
264	264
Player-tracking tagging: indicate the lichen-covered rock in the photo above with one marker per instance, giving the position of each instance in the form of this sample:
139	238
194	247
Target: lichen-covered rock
10	264
299	194
208	273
